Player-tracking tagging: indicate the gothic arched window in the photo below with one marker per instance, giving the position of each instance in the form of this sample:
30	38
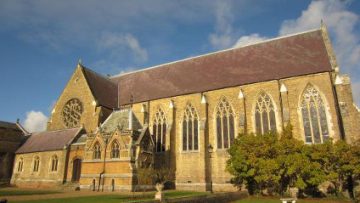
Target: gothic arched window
97	151
224	124
115	150
314	116
265	114
159	130
20	165
190	134
36	164
54	163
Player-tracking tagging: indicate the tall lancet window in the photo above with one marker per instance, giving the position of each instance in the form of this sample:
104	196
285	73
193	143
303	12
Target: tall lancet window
115	150
36	164
54	163
265	114
159	130
190	134
314	116
224	124
97	151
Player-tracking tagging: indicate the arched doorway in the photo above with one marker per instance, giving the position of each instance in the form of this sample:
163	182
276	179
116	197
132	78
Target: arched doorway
76	170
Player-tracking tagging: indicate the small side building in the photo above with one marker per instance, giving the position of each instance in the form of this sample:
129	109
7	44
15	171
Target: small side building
12	135
42	160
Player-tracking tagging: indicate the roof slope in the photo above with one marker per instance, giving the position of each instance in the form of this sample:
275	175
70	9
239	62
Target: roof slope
103	89
48	140
295	55
120	119
8	125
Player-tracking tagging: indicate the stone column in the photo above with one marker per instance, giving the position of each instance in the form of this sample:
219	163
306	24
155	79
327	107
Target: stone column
242	115
204	140
350	114
285	105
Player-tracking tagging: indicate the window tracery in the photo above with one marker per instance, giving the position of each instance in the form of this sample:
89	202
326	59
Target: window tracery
190	134
265	120
314	116
71	113
159	130
224	124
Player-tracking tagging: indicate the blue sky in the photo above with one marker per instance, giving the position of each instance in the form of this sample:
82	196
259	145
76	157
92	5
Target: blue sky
41	41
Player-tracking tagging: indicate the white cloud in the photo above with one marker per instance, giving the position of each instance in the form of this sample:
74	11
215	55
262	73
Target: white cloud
249	39
223	36
118	43
341	24
35	121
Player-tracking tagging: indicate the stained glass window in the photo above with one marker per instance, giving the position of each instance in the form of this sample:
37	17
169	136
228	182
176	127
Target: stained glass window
159	130
265	114
224	124
314	116
190	129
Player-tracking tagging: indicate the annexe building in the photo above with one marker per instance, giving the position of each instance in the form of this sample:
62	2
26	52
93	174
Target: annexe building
184	115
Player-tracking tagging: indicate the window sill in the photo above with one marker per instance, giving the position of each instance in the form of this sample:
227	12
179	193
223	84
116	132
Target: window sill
190	152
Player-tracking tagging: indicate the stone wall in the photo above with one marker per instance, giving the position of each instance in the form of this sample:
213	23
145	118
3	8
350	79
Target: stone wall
10	140
44	177
77	87
197	169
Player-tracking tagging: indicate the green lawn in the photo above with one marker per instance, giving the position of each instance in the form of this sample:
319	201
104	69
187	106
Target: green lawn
13	192
116	198
277	200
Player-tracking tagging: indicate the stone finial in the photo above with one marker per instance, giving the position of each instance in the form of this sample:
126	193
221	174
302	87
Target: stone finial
283	88
241	94
171	104
143	108
203	99
338	80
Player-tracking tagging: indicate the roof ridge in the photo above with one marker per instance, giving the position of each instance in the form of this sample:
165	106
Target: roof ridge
50	131
216	52
97	74
7	122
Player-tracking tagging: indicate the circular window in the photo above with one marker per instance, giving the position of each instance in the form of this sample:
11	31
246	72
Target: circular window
71	113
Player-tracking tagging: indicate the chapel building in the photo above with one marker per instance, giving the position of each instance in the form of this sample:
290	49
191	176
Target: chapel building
184	115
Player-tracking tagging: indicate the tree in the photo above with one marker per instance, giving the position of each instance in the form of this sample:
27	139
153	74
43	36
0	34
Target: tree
276	163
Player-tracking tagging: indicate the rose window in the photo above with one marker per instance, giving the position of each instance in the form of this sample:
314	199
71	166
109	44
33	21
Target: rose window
71	113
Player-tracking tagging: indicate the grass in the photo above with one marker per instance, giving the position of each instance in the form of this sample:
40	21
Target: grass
277	200
116	198
18	192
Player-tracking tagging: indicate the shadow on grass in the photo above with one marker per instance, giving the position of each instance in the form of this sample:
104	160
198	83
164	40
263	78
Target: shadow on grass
19	192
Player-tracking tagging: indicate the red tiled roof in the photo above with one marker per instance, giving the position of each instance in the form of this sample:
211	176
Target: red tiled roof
290	56
104	90
49	140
